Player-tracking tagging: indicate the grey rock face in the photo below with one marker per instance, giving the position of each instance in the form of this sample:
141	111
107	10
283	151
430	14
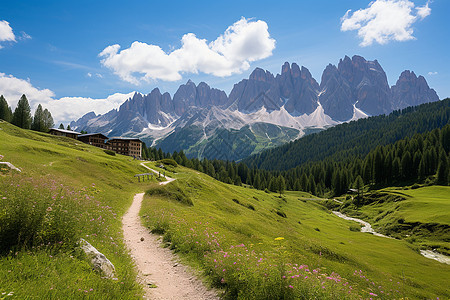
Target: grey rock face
336	96
259	90
298	88
411	90
196	111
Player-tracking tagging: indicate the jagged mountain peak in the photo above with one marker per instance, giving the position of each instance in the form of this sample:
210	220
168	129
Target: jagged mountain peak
352	89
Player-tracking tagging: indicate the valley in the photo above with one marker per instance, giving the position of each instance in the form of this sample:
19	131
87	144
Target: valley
239	150
240	240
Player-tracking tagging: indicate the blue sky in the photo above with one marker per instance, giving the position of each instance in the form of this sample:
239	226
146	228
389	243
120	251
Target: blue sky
53	52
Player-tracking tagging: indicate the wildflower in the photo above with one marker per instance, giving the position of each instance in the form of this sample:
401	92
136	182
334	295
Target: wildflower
49	209
372	294
290	286
279	238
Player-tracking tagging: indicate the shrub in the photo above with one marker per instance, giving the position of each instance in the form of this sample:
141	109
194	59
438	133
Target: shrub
415	186
172	191
281	213
251	207
110	152
355	228
169	161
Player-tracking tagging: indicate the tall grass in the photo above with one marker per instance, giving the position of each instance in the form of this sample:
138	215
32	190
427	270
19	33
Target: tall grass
41	221
253	271
38	213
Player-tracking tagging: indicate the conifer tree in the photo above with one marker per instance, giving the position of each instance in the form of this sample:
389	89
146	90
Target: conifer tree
281	184
422	169
68	127
442	171
358	185
273	184
38	119
257	182
396	168
22	114
312	185
61	126
5	110
336	183
297	185
406	164
48	120
304	182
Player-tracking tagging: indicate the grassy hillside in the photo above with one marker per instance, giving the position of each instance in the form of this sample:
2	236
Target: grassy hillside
66	190
227	144
420	216
259	245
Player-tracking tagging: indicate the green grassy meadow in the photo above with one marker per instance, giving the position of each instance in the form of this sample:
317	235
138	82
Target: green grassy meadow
250	244
66	190
256	245
420	216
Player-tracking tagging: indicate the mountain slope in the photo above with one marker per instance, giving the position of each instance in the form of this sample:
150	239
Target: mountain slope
258	243
355	138
68	186
355	89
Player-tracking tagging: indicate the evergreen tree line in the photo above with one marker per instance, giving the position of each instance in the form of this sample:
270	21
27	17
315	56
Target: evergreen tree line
356	138
42	120
417	159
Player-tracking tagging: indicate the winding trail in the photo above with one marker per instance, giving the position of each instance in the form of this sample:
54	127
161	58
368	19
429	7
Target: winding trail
368	228
162	276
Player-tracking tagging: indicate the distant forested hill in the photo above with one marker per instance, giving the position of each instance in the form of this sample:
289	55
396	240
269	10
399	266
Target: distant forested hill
354	139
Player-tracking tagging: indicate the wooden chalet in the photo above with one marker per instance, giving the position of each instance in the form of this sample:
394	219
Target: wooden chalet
63	132
94	139
126	146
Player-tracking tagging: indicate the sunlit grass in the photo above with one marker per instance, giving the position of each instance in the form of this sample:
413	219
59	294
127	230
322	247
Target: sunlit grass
219	232
66	190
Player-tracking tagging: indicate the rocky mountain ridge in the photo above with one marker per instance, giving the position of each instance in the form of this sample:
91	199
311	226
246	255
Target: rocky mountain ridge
291	100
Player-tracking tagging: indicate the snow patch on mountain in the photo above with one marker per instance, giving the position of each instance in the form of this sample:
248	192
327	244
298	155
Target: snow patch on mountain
357	113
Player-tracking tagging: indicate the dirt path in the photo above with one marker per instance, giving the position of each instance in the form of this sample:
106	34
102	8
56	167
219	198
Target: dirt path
160	273
168	179
368	228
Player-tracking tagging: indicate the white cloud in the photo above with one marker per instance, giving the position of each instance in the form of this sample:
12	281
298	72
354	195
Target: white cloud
432	73
385	20
63	110
6	33
24	36
243	42
12	89
423	11
68	109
